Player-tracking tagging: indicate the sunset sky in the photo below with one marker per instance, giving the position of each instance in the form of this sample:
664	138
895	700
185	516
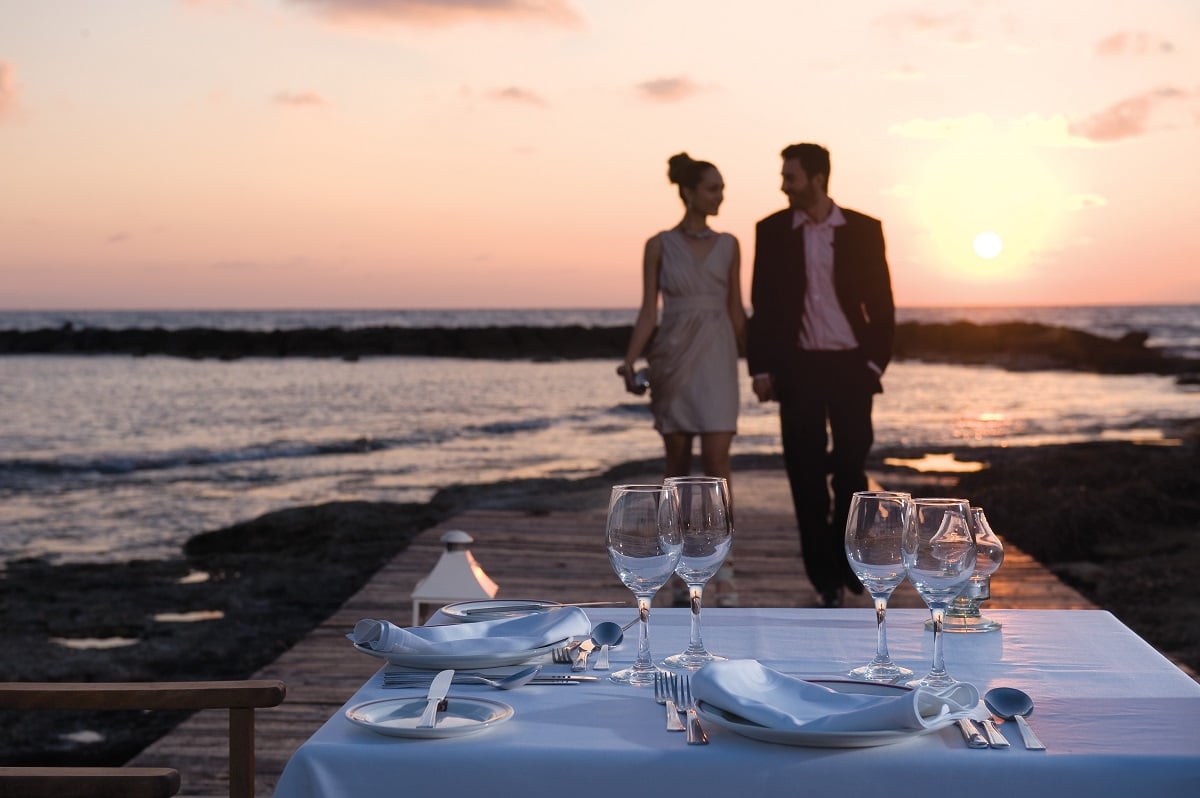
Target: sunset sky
512	153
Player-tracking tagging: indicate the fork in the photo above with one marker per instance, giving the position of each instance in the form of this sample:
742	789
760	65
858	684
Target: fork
662	694
562	655
682	686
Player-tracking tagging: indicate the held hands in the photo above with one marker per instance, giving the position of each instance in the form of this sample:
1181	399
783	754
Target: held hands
764	387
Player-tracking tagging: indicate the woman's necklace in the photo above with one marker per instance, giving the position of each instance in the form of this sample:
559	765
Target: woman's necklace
698	235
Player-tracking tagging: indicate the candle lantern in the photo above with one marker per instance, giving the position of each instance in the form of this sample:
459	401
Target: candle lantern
456	577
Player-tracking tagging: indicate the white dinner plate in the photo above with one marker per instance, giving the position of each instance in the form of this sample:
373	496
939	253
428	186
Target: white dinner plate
816	738
437	662
397	717
492	609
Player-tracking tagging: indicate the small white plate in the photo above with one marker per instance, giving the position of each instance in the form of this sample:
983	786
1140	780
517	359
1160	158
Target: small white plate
459	661
493	609
397	717
820	739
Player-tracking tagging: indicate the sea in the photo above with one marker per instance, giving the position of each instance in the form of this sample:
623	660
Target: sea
113	458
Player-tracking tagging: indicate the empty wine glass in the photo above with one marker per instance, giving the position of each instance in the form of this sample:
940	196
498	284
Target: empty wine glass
706	532
939	556
963	613
642	536
875	550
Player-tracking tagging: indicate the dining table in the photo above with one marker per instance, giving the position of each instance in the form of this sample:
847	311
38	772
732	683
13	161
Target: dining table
1117	719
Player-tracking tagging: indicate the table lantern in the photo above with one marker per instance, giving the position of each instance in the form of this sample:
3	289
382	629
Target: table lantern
456	577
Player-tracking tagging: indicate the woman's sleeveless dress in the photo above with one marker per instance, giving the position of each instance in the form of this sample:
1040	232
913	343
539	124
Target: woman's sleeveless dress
694	359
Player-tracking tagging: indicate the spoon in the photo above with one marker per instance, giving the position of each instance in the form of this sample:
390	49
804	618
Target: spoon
607	634
1013	704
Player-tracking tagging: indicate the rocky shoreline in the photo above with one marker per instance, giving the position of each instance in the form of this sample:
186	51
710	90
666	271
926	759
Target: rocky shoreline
1119	521
1014	345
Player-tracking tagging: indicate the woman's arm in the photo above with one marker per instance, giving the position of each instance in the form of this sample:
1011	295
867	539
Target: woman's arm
647	316
737	311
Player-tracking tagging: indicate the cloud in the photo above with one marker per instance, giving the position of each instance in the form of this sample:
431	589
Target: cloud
118	238
1166	108
958	128
1153	111
213	3
516	94
299	99
1083	202
444	12
954	26
668	90
904	72
1133	43
8	88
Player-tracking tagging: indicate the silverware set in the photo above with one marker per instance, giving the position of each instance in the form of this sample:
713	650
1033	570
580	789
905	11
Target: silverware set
414	679
674	691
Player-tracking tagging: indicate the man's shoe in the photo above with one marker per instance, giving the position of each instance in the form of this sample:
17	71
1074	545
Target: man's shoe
831	599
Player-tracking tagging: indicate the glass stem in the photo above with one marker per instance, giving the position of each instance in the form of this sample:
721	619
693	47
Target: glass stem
939	665
881	649
696	645
643	657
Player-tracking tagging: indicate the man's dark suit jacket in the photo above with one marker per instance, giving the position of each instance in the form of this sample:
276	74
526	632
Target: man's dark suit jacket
861	280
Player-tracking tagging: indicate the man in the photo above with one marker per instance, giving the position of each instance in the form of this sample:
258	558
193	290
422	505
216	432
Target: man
819	340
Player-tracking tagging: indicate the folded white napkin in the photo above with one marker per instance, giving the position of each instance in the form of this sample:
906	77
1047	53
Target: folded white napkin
778	701
485	637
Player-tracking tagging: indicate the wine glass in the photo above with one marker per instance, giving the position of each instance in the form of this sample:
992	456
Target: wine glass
963	614
706	531
939	556
643	542
875	550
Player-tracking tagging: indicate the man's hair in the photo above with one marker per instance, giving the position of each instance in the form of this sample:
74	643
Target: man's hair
813	158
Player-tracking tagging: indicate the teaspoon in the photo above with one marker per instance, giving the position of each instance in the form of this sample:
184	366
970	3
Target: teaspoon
607	634
1013	704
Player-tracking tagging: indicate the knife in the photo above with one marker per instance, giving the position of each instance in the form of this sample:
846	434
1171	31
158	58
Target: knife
971	734
437	693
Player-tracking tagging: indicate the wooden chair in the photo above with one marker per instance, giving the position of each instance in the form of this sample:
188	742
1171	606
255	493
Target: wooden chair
241	698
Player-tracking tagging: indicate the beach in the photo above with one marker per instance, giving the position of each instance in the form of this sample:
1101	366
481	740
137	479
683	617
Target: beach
175	529
1119	521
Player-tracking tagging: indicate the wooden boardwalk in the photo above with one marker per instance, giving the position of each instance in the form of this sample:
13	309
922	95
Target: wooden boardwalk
557	556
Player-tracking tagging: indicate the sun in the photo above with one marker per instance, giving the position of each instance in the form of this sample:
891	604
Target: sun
988	244
990	208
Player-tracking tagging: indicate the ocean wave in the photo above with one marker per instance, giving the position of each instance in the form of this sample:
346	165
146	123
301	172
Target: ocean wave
117	463
17	471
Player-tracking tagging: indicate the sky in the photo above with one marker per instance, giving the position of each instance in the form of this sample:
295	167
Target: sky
162	154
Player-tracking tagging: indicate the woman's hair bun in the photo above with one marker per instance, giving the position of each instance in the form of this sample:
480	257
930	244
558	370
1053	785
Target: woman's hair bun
679	168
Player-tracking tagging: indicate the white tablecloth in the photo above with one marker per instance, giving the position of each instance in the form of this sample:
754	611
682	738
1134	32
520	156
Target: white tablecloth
1117	718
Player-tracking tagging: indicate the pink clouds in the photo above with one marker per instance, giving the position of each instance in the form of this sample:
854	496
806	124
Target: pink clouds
668	89
299	99
1133	43
516	94
444	12
1158	109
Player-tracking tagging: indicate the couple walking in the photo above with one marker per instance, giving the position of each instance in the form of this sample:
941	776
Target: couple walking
817	342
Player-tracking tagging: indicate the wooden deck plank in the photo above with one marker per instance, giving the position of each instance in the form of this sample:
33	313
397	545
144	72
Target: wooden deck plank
559	556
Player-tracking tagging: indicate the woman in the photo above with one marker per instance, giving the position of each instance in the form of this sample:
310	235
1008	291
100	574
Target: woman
693	360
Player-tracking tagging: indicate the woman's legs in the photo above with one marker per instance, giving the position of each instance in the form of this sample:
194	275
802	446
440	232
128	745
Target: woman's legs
678	447
714	456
